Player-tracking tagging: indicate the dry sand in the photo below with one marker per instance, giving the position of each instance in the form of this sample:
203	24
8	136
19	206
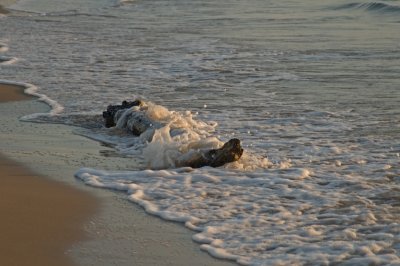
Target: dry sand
40	218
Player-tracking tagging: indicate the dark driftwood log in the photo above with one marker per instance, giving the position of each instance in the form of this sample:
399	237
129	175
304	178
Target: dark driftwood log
113	109
137	123
230	152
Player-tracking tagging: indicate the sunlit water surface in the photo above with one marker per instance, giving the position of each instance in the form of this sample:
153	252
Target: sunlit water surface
312	89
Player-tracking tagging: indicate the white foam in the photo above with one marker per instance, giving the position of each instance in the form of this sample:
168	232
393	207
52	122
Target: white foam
257	212
219	253
124	2
173	138
3	48
268	217
8	60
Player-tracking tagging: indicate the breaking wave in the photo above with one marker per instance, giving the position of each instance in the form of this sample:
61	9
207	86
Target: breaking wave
173	138
4	60
372	7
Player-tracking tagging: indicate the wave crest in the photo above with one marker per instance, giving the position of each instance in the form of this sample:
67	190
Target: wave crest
371	6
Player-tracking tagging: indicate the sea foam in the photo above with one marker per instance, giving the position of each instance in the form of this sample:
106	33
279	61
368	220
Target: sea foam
3	48
265	217
254	211
8	60
172	138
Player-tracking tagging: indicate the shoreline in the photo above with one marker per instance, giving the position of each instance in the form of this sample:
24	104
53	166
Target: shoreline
119	232
3	11
12	93
113	230
4	4
41	217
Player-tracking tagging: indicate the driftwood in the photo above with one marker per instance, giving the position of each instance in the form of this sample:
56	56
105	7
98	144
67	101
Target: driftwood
231	151
109	114
137	123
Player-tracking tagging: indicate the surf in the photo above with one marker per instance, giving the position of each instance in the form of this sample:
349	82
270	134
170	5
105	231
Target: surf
375	7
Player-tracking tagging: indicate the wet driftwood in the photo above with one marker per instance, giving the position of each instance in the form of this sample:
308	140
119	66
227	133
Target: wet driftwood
137	122
109	114
231	151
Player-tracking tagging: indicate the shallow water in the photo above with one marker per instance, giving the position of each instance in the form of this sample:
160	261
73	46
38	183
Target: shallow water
310	88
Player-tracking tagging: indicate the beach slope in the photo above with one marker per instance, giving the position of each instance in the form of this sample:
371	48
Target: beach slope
120	233
40	218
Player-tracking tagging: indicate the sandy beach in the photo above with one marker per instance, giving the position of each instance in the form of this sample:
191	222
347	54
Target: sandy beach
119	233
3	11
9	93
40	217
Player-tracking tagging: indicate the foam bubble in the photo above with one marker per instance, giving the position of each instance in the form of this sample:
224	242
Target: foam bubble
172	139
268	216
7	60
3	48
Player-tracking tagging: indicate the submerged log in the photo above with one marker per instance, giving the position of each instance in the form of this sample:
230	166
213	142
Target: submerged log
137	122
231	151
109	114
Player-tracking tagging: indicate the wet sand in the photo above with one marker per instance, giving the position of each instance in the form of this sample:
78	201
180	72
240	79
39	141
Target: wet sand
40	218
9	93
44	216
3	10
5	3
120	233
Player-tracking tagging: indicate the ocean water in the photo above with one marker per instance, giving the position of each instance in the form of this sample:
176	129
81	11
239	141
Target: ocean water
311	89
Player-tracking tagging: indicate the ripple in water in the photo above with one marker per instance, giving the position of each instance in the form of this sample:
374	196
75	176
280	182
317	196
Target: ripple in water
317	107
